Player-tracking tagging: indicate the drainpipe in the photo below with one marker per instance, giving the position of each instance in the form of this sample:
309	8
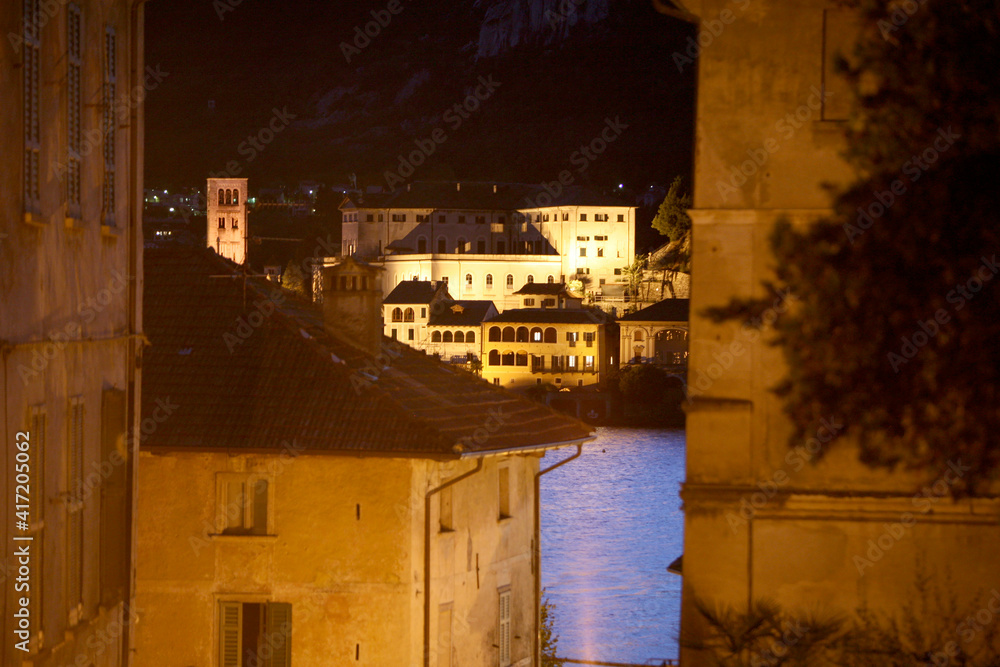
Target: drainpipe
427	555
537	553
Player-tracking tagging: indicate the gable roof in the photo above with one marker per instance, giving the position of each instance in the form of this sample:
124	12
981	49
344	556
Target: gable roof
472	313
412	291
668	310
548	289
268	375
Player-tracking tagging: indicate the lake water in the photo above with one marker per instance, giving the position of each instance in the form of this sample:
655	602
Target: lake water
611	524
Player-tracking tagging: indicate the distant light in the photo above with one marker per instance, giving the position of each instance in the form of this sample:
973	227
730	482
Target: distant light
171	209
621	185
165	192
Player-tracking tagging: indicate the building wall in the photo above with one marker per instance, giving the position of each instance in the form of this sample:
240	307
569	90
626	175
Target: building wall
604	351
654	342
70	307
762	520
227	222
344	548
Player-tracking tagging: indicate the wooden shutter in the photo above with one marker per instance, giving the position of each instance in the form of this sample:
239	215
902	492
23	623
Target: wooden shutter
504	638
114	508
230	625
279	634
74	550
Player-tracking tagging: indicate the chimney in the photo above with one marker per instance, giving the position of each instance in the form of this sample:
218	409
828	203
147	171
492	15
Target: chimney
352	304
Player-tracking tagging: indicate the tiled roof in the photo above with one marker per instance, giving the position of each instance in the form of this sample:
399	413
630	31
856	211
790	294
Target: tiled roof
549	289
668	310
478	197
471	315
550	316
411	291
252	378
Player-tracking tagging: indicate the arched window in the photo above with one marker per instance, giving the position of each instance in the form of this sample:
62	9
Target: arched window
421	245
408	315
236	197
494	358
468	280
460	246
494	334
531	278
550	335
446	338
397	314
229	197
459	337
489	280
521	359
522	334
222	197
436	337
551	279
510	281
442	245
508	334
536	335
470	337
507	358
637	336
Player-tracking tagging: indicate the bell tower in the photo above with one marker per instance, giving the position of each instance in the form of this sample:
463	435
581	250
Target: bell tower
227	217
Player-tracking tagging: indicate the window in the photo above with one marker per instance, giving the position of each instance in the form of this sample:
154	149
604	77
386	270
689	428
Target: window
468	280
447	337
621	217
444	280
408	315
73	111
381	217
521	358
369	217
409	334
442	245
536	335
222	197
548	303
248	631
481	219
243	504
393	333
522	334
441	219
588	363
436	337
423	311
494	358
583	238
74	509
503	485
496	381
235	224
460	245
222	223
397	314
503	629
530	278
583	252
421	245
229	197
461	219
501	219
600	217
494	334
583	217
510	281
501	248
571	362
489	280
507	358
529	303
588	337
444	510
545	217
601	238
470	337
423	218
637	336
481	246
600	252
565	217
236	197
550	335
537	364
459	336
618	272
551	279
399	217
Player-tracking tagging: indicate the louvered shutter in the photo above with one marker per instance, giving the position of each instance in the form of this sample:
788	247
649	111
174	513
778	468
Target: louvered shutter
279	634
230	623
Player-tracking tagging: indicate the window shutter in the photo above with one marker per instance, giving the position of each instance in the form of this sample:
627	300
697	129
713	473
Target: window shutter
75	508
279	634
114	516
230	623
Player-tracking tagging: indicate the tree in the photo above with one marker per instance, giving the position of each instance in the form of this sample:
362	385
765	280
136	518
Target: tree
549	639
293	279
672	219
633	274
898	314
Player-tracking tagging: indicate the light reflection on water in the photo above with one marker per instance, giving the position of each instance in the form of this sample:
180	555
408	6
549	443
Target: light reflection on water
611	524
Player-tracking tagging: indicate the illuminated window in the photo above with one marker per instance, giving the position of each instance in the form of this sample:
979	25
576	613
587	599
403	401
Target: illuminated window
510	281
252	629
489	280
